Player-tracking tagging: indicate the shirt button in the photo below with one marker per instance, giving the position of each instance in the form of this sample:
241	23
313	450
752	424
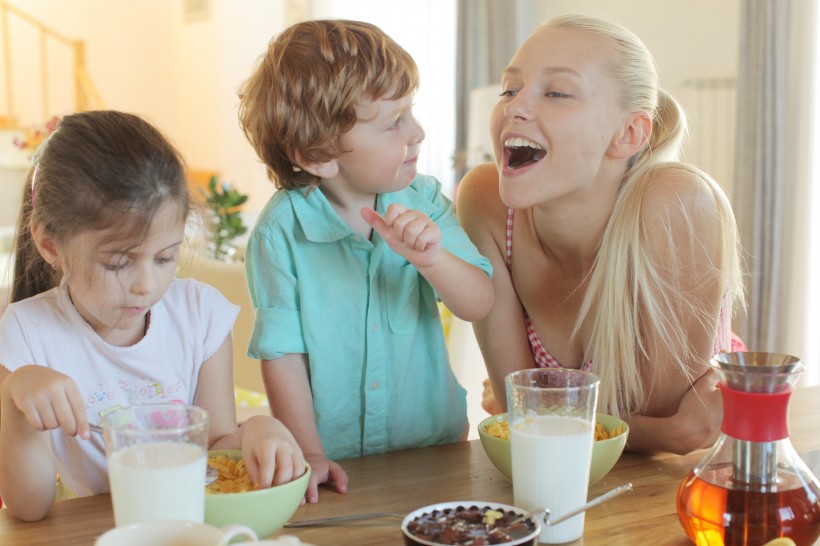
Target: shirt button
373	328
374	385
357	238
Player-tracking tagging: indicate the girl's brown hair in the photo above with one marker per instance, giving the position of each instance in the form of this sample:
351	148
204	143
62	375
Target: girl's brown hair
98	170
301	97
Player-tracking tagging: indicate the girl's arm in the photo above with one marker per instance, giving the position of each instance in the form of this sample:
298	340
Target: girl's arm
684	409
288	389
270	452
501	335
34	400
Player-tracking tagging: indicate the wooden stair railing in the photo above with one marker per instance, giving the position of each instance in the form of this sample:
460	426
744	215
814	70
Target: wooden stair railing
86	96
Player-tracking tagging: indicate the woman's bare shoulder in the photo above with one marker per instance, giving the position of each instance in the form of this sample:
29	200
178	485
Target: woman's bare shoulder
477	194
680	209
679	185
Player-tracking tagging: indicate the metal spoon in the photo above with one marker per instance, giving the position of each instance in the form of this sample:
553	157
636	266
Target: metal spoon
319	521
211	474
549	521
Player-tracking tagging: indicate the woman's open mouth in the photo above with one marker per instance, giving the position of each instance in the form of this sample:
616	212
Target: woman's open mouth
521	152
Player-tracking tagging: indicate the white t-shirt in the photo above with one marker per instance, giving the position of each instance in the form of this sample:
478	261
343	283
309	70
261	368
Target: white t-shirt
187	326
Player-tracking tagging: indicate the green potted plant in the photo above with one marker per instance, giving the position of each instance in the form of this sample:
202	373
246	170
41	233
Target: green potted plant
225	203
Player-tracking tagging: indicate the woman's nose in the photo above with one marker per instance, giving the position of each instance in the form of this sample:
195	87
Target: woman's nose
518	108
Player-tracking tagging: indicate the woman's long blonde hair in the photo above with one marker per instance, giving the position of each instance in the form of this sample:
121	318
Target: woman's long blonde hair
626	299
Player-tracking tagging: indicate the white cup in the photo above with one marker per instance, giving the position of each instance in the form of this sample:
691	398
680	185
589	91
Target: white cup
174	533
551	413
156	462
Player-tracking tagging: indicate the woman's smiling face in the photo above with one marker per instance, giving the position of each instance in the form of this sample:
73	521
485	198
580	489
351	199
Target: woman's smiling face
557	115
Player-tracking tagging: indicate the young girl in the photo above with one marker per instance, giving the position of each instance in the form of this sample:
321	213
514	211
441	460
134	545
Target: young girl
99	321
347	260
608	253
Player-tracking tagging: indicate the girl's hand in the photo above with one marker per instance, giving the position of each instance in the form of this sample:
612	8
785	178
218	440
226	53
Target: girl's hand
48	399
323	470
271	454
407	232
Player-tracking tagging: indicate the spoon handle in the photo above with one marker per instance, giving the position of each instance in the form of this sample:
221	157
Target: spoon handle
548	521
305	523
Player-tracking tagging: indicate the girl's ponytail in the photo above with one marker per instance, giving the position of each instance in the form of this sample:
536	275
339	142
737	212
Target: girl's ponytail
32	274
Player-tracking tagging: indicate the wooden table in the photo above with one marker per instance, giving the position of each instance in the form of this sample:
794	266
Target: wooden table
403	481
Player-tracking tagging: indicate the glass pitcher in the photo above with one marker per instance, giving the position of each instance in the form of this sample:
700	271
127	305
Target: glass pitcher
752	486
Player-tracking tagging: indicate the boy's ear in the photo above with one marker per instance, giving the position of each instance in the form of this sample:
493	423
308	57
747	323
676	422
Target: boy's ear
325	169
46	244
632	136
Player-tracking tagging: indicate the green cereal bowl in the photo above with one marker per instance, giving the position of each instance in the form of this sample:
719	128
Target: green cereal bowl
605	453
264	510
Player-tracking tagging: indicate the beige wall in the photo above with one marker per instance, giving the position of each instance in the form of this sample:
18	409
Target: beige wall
183	76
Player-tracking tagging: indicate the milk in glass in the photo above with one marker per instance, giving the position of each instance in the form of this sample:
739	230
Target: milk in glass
159	480
550	459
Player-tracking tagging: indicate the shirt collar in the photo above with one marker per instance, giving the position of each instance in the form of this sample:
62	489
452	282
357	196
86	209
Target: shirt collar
321	224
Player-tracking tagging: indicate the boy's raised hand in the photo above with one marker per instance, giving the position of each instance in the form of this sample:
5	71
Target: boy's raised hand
408	232
47	399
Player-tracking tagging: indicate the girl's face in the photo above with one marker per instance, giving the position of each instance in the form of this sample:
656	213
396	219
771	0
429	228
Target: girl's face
113	283
556	117
382	149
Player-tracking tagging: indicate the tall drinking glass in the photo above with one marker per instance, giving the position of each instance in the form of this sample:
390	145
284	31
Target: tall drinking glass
552	429
156	462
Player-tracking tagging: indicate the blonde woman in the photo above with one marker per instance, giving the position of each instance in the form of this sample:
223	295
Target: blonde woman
608	254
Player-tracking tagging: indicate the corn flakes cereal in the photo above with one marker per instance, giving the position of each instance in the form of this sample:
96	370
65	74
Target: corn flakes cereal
501	429
233	476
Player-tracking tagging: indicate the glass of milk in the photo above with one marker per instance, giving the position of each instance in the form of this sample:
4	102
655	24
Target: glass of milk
551	412
157	455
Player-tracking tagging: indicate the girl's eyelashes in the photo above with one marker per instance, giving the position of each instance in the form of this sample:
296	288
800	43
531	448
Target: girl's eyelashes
118	266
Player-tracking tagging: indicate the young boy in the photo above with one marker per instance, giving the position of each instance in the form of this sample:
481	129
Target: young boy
348	258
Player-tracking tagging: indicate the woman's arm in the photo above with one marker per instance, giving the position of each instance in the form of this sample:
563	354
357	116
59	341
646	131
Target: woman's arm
288	388
501	335
683	410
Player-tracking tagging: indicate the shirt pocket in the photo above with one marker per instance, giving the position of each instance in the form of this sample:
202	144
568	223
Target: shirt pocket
401	290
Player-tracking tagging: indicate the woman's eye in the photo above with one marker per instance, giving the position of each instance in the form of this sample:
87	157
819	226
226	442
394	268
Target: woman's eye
507	93
557	95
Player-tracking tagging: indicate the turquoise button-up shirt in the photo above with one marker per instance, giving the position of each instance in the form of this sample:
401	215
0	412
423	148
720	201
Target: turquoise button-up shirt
369	322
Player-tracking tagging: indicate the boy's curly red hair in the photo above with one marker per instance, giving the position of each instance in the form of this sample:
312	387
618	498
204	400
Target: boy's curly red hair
302	95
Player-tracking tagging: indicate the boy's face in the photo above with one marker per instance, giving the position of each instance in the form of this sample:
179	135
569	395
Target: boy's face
382	148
